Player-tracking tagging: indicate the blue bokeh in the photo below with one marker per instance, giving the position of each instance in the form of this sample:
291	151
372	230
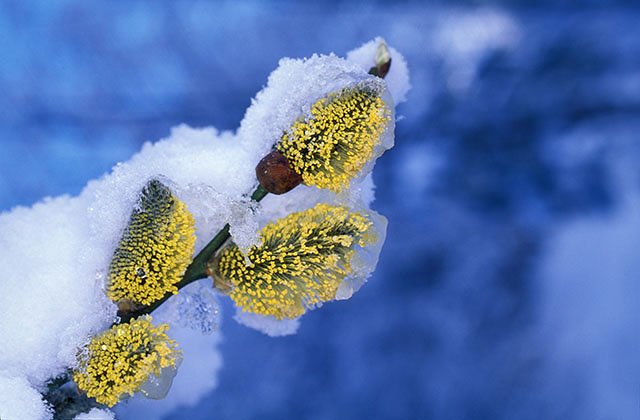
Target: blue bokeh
522	120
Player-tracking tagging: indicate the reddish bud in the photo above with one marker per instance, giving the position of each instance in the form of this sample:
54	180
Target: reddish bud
276	175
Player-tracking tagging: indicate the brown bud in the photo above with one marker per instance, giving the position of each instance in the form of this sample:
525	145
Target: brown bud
382	70
276	175
383	61
126	307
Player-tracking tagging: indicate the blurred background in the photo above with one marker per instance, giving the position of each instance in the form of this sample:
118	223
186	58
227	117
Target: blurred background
509	285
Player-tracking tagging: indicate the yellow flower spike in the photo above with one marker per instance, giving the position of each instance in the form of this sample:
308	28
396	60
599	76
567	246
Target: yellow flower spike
301	262
333	144
155	250
121	360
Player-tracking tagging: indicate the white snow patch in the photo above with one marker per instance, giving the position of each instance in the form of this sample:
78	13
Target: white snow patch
266	324
19	401
51	297
290	92
96	414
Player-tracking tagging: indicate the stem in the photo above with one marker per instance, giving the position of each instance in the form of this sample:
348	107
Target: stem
259	194
198	268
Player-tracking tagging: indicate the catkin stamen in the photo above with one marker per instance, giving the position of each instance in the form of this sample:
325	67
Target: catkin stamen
155	249
301	262
120	360
333	145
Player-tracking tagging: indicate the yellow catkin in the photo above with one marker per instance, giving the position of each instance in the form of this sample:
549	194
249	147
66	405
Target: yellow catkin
155	249
301	262
119	361
333	144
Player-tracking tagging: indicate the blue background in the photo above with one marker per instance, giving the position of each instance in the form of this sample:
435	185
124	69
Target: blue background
501	143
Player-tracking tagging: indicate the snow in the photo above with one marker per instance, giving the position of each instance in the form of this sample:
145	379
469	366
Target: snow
194	162
51	297
96	414
278	106
267	324
56	254
19	401
397	79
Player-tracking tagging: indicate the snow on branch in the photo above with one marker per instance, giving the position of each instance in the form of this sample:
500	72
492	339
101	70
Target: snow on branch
102	294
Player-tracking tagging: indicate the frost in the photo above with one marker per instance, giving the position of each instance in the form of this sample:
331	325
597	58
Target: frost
96	414
196	307
18	400
212	210
268	325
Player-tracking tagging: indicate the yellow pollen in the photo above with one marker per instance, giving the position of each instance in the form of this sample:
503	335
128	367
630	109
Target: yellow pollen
301	262
332	146
120	360
155	249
